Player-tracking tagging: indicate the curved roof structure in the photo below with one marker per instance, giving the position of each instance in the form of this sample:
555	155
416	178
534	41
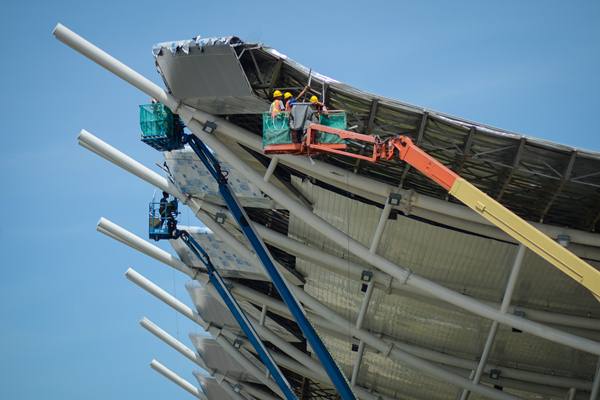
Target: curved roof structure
541	181
417	300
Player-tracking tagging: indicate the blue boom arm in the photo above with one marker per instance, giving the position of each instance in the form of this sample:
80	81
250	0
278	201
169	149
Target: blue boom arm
213	166
241	318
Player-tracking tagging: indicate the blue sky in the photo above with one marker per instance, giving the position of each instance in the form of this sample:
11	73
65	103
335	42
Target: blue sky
68	317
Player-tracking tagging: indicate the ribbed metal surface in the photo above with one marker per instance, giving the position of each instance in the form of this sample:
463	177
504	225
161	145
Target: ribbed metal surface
472	264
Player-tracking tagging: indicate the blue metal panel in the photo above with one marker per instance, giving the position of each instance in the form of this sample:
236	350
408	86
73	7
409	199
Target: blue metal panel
238	313
333	371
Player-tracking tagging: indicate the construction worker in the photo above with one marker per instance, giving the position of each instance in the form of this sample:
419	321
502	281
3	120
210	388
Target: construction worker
317	105
291	100
277	104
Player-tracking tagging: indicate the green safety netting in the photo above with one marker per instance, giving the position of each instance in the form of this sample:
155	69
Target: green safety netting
160	128
156	120
276	130
335	120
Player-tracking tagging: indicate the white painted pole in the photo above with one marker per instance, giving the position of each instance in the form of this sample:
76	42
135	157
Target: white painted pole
270	169
596	383
176	379
506	299
359	322
161	294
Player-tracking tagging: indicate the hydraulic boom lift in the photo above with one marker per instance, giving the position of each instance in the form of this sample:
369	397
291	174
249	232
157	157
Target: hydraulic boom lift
403	148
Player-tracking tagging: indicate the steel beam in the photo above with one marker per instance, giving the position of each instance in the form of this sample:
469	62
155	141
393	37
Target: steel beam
565	178
176	379
596	384
508	292
515	164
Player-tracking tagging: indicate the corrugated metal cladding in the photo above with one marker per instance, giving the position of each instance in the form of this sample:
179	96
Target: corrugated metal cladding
474	265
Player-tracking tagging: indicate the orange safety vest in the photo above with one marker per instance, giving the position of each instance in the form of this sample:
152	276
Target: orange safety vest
276	107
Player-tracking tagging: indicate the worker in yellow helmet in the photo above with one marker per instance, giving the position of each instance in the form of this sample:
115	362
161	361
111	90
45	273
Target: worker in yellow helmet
317	105
290	100
277	104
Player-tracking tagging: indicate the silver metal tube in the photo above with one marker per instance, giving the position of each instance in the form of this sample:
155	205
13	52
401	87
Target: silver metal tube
181	348
596	384
170	340
571	394
385	214
506	299
359	322
176	379
270	169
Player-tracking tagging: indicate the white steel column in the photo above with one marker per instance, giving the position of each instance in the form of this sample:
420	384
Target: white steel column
183	350
270	168
508	292
176	379
385	214
596	384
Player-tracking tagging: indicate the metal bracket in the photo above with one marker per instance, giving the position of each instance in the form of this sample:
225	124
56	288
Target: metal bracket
395	199
209	127
220	218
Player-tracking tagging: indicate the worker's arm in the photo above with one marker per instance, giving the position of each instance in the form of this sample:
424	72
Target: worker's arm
302	92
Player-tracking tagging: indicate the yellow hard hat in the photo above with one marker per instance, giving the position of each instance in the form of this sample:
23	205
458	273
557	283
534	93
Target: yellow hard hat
287	95
276	93
314	99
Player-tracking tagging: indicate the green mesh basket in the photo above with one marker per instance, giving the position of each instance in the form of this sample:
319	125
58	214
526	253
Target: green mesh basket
336	119
276	130
156	120
160	128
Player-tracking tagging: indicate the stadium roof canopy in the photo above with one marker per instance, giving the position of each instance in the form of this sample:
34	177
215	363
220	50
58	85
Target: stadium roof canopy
553	184
387	286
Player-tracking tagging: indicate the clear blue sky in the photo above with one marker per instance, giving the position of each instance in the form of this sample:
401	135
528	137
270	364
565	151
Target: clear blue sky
68	317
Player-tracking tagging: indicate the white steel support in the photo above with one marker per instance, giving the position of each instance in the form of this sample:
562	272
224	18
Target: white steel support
506	299
161	294
135	242
571	394
263	315
359	322
183	350
120	159
176	379
270	169
385	214
596	384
